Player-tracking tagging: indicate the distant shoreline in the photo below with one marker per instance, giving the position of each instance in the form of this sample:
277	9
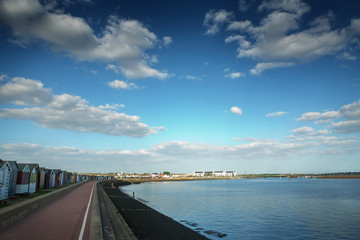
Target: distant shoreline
340	177
141	180
317	176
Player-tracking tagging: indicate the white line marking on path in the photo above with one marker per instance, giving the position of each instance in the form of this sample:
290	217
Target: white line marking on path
86	213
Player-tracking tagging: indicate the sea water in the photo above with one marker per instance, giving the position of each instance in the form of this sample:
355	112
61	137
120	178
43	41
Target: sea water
269	208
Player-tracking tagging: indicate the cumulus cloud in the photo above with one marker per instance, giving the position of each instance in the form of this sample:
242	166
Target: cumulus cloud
175	152
214	20
117	84
280	41
260	67
236	110
75	159
22	91
66	111
3	77
123	42
275	114
309	131
112	106
244	5
190	77
351	119
239	25
113	68
234	75
348	117
319	117
167	41
179	153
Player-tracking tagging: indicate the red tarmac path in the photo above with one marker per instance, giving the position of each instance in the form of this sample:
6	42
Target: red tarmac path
60	219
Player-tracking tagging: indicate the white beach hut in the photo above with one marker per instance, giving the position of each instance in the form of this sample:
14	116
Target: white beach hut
5	174
13	177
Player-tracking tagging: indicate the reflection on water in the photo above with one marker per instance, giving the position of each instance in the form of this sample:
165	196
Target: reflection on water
259	208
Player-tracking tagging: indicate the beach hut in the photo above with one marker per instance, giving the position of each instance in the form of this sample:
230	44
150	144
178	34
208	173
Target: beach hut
67	179
49	182
54	178
41	178
22	184
77	178
64	177
13	177
5	175
57	180
34	169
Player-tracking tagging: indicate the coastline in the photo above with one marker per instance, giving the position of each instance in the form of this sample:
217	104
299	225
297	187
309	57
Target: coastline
142	180
248	176
340	177
144	221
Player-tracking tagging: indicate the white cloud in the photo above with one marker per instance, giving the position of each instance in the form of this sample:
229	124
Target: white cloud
297	7
303	130
112	106
173	151
67	111
260	67
351	111
117	84
190	77
179	153
348	126
319	117
3	77
123	42
348	116
239	25
113	68
244	5
214	20
275	114
22	91
234	75
167	41
278	37
236	110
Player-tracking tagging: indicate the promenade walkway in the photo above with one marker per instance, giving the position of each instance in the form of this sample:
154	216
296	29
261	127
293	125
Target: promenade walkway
67	217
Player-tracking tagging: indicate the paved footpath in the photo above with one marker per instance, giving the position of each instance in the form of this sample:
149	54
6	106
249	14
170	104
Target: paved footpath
60	219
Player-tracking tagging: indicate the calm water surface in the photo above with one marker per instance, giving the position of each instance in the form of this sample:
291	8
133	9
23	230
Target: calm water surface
259	208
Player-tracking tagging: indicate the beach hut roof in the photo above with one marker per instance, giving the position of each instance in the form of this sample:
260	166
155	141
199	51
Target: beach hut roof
23	166
3	164
33	165
11	163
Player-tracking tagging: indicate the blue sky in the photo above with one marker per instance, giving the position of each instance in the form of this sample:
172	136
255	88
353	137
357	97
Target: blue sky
139	86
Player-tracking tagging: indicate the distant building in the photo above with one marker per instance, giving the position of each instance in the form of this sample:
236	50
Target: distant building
199	174
178	175
215	174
